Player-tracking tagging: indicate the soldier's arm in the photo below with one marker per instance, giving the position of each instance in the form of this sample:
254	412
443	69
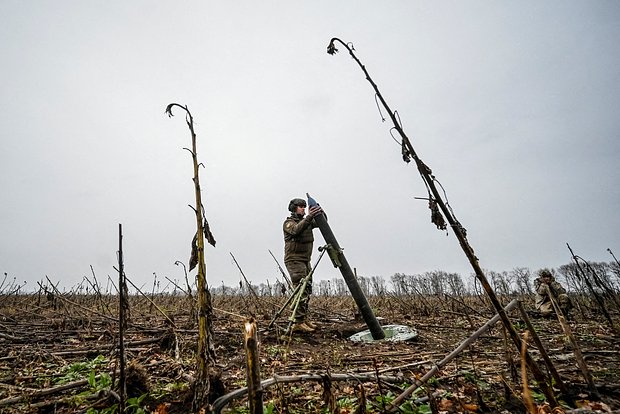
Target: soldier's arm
540	288
558	289
295	229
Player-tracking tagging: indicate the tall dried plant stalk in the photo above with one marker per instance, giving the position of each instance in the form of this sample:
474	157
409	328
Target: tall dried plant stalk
206	352
438	207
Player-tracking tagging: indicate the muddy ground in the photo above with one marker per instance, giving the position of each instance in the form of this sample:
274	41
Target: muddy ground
58	354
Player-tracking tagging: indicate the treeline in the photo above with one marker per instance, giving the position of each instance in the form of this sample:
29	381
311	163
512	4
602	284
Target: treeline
588	277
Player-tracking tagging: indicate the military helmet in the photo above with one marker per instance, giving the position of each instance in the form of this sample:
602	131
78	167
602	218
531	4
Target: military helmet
296	202
545	273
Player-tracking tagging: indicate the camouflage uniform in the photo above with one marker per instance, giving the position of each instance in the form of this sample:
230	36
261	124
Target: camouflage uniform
543	301
298	240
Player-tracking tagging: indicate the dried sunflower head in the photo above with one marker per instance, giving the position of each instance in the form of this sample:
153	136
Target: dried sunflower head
331	48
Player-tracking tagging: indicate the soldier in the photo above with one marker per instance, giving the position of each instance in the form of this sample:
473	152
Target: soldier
298	240
543	301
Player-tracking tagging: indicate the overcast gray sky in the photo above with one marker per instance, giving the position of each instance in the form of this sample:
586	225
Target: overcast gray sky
514	105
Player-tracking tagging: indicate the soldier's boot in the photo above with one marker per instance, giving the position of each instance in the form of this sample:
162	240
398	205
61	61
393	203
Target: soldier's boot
311	324
303	327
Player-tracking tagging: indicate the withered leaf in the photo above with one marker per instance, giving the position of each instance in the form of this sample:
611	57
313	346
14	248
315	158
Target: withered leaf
193	259
208	234
405	152
436	217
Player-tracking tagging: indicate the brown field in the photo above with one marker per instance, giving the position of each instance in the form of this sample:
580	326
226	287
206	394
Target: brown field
58	354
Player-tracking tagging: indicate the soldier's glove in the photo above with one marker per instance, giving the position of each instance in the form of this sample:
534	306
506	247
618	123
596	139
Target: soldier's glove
315	211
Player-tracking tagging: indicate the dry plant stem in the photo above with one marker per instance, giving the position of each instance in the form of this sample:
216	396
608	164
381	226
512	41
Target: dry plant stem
598	298
153	291
379	383
255	390
104	306
418	383
43	392
221	402
247	283
98	397
577	351
458	230
284	275
543	352
602	284
176	285
508	356
121	322
10	337
608	249
205	355
472	310
128	346
31	394
189	288
527	394
151	301
59	296
399	367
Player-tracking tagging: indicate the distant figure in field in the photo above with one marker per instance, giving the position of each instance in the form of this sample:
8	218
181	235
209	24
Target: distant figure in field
298	240
543	301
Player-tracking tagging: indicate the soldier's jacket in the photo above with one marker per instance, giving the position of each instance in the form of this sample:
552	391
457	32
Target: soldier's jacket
541	293
298	238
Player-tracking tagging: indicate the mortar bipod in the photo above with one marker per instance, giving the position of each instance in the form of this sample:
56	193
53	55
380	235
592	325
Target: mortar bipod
295	297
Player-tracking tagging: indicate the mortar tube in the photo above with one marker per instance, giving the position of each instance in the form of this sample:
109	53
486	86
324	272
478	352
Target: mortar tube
340	261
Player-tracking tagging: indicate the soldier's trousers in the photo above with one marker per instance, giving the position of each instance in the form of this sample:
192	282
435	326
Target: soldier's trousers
546	309
298	270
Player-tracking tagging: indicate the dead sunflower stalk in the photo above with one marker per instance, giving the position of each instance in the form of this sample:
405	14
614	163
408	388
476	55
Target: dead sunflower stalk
206	352
408	152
